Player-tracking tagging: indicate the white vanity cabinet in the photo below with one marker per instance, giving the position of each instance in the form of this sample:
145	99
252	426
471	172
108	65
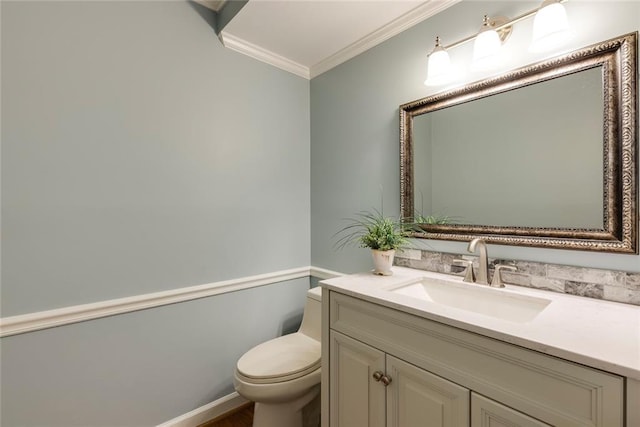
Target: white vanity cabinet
372	389
439	375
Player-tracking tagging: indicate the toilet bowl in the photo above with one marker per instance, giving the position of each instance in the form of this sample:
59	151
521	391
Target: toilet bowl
282	375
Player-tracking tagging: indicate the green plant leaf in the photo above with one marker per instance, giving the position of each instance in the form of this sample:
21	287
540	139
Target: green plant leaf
371	229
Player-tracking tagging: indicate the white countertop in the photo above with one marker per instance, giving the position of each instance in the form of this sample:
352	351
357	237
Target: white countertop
601	334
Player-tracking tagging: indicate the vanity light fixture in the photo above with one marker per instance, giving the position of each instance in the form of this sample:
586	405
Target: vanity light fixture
486	48
550	26
550	29
439	70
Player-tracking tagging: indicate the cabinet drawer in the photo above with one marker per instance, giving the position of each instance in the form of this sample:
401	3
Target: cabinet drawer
487	413
553	390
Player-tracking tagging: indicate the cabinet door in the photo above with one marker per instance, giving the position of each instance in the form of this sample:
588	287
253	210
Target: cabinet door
356	399
416	398
488	413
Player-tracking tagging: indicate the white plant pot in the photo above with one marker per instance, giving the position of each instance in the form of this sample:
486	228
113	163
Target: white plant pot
382	262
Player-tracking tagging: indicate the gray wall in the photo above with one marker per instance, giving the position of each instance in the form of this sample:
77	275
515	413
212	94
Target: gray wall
139	155
354	122
141	368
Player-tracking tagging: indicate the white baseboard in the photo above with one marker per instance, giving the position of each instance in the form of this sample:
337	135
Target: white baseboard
207	412
31	322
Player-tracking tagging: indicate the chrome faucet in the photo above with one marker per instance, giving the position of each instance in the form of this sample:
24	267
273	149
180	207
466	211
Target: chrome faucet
483	275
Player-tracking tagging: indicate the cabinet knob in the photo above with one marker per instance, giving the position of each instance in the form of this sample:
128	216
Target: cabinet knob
378	376
385	380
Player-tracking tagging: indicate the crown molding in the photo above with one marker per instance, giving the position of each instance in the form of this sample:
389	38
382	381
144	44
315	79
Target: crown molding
393	28
264	55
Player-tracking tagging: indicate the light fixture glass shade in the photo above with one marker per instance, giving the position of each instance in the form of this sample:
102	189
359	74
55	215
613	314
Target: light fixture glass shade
439	69
550	27
486	49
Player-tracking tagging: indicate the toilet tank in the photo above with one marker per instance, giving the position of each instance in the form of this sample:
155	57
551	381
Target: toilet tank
311	318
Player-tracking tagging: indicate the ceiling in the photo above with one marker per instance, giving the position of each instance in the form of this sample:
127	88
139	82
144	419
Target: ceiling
309	37
215	5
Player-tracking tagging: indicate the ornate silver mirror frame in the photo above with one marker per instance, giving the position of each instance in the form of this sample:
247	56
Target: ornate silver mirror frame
619	234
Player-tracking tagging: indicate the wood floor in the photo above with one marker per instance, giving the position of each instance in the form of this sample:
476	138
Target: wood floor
241	417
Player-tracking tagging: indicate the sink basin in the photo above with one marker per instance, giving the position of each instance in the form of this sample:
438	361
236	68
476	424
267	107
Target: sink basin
481	299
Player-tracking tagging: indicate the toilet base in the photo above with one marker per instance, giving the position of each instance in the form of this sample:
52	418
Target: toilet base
300	412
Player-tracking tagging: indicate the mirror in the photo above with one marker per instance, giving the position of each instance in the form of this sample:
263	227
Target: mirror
488	170
545	155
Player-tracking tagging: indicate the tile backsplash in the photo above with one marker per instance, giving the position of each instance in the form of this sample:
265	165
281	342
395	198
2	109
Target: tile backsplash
608	285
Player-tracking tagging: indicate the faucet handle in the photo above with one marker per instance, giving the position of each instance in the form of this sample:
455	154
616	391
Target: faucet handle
496	282
468	272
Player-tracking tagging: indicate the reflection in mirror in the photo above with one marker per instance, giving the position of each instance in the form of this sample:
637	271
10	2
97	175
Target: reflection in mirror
541	156
490	169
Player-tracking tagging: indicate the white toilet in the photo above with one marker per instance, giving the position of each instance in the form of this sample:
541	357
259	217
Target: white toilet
282	375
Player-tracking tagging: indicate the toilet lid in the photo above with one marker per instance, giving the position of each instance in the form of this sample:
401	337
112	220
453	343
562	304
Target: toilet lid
289	356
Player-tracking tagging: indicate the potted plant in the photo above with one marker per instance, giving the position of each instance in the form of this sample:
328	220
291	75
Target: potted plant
383	235
425	222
